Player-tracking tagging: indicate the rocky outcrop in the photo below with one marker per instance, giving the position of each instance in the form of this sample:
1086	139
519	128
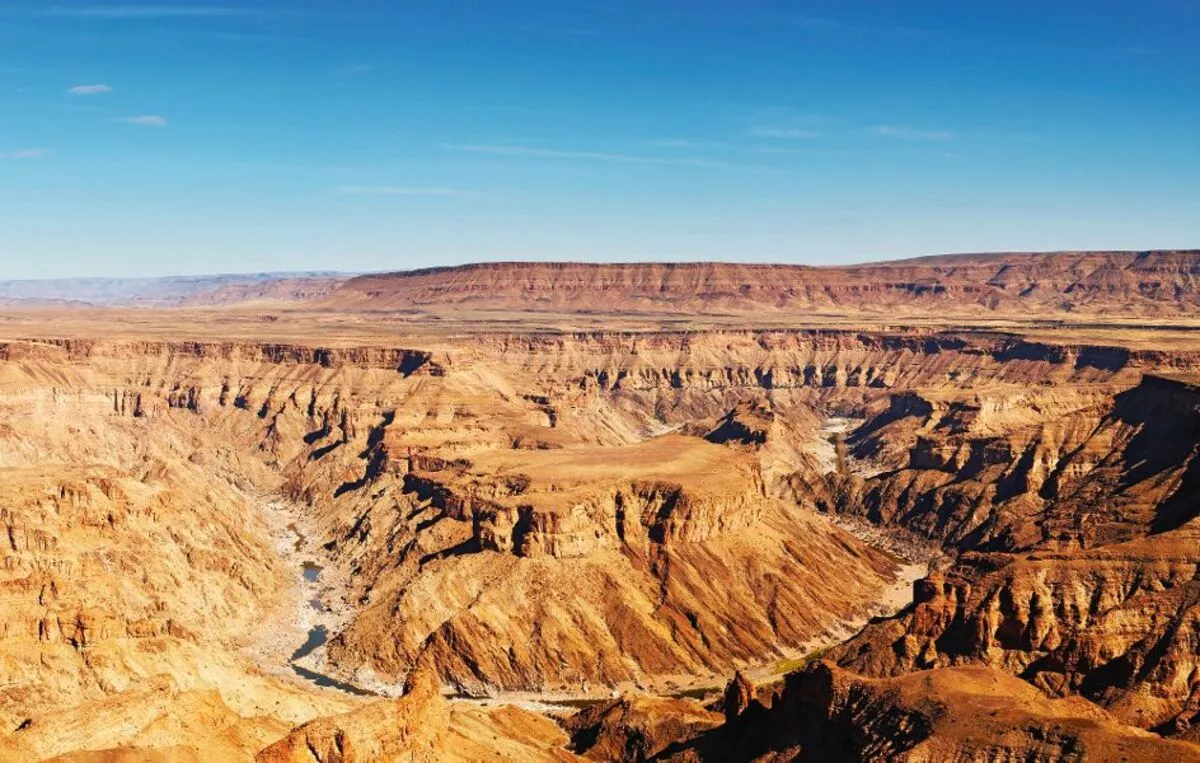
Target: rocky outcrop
422	726
1032	469
1116	625
573	512
415	727
738	696
973	714
1079	527
637	728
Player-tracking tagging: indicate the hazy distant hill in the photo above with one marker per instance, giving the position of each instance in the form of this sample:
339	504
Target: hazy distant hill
175	290
1150	283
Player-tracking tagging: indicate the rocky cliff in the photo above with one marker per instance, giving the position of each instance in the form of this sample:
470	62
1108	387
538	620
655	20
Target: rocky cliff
969	714
569	513
1147	283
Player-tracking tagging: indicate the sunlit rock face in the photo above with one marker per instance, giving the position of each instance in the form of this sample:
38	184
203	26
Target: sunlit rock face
536	514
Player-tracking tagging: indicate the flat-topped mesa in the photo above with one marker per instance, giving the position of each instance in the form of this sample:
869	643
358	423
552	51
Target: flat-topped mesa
572	502
628	562
639	514
1158	282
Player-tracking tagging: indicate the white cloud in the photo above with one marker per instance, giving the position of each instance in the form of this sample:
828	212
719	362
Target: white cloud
149	120
686	144
587	156
784	133
908	133
29	153
356	69
90	90
154	11
391	190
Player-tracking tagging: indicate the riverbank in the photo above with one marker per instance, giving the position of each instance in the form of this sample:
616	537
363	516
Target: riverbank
292	640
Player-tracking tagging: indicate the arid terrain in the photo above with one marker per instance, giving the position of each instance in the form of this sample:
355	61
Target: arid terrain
935	509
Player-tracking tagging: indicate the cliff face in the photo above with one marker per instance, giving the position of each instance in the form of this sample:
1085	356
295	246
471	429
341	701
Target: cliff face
576	512
1150	283
130	569
1089	520
1116	625
970	714
1044	468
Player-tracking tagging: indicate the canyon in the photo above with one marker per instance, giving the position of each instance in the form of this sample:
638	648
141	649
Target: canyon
946	508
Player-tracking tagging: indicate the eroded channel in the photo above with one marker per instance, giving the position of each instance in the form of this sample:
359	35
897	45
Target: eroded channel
296	641
320	610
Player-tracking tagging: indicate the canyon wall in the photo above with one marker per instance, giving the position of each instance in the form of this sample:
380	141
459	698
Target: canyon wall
578	511
1143	283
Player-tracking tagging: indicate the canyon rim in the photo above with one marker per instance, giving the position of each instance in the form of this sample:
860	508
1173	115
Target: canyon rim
935	509
551	381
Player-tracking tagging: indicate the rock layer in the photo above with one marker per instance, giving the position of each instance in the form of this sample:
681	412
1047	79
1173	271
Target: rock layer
1149	283
574	511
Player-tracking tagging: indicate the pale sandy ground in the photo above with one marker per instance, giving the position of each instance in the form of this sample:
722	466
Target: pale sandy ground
287	628
284	322
824	445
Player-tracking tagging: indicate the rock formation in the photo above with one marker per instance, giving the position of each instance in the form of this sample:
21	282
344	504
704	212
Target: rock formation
1145	283
625	517
828	714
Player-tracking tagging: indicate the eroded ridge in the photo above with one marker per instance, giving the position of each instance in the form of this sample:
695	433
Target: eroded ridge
543	518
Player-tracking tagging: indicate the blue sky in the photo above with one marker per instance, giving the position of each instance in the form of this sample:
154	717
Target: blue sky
161	138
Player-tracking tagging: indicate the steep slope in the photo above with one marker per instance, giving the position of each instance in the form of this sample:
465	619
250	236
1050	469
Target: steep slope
102	643
573	512
1080	531
1144	283
975	714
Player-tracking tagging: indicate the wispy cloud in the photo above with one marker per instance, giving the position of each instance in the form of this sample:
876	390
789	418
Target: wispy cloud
356	69
1136	51
155	11
820	22
687	144
908	133
783	133
692	145
149	120
29	153
828	24
90	90
585	156
391	190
